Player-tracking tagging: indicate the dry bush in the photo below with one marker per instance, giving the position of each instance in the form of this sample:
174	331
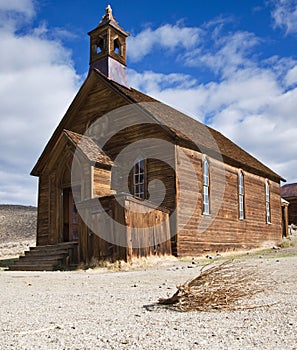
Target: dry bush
219	287
141	263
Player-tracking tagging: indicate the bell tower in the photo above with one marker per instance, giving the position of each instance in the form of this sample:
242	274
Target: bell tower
108	48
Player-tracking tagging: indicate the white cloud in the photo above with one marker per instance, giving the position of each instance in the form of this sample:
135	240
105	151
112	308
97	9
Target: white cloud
37	84
20	7
253	102
291	77
156	82
284	15
225	54
168	88
167	36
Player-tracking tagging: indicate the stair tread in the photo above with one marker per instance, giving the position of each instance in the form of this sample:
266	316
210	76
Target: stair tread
48	257
41	261
55	246
42	253
29	268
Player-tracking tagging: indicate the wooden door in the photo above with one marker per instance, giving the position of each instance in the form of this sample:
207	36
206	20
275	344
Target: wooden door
73	219
70	217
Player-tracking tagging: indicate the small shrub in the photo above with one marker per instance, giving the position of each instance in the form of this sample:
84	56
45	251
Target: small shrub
286	243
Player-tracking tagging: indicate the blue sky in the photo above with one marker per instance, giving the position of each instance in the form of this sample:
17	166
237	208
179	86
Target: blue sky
230	64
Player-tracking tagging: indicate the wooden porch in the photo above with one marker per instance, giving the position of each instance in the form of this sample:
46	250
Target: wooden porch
122	227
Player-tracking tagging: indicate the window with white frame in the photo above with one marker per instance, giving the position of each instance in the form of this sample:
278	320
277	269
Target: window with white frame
267	201
241	195
205	186
139	179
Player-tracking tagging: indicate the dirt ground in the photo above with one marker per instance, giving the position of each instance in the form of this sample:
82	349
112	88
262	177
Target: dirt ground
105	309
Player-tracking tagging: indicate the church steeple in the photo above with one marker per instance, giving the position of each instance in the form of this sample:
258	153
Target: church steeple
108	48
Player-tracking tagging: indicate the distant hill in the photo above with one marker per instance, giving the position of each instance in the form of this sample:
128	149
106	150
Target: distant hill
17	228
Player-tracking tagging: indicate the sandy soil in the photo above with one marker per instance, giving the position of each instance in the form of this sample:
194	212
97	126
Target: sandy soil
101	309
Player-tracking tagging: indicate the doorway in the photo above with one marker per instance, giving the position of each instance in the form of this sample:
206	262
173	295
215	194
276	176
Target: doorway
70	216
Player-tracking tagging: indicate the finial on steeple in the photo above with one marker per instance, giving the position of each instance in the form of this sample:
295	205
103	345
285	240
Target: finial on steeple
108	16
108	12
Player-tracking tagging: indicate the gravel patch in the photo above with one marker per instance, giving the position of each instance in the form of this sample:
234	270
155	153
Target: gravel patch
100	309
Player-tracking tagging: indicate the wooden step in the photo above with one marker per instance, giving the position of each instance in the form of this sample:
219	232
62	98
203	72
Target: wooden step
30	267
51	252
55	246
48	258
53	258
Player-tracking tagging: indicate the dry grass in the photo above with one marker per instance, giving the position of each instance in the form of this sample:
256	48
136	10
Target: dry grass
288	242
141	263
226	286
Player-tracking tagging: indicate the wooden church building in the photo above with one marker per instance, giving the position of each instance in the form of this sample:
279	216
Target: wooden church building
181	188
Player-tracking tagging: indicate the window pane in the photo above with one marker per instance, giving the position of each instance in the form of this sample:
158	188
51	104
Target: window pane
141	166
241	207
205	186
241	190
205	191
267	195
205	166
241	194
205	173
139	179
141	188
267	191
267	208
205	180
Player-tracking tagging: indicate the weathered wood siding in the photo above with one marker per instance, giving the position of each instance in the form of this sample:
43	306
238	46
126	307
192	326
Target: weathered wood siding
91	110
43	211
222	229
101	182
145	140
148	233
50	198
142	230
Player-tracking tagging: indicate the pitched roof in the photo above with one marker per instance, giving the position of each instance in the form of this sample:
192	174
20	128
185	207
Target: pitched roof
187	128
289	190
181	127
89	148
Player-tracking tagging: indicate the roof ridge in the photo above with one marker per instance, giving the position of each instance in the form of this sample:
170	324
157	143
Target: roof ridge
236	153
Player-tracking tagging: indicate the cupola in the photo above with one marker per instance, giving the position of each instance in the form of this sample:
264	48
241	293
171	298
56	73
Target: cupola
108	48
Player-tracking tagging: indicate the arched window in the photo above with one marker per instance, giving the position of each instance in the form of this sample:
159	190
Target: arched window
241	195
117	47
139	179
205	186
100	46
267	201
